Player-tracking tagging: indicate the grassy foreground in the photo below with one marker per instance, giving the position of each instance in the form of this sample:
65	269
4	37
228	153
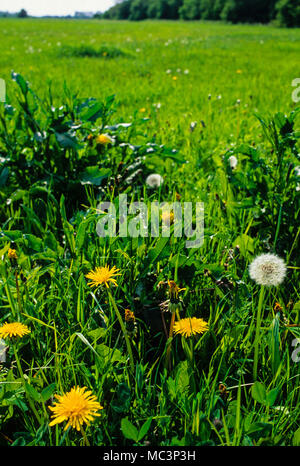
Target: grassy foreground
208	107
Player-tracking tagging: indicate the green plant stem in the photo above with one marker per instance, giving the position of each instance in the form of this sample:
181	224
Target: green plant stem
168	354
257	331
9	295
18	293
131	361
31	404
85	439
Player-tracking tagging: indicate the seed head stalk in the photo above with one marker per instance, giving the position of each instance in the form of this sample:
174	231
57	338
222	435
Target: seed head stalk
257	331
131	361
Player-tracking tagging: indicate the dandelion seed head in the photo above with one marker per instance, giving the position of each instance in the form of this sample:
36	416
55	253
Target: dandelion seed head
233	161
268	270
154	180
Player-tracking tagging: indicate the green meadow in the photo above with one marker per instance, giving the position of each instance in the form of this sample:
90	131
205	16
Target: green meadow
178	345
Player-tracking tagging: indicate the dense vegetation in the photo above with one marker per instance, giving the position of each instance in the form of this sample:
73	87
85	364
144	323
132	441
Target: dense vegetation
286	12
209	108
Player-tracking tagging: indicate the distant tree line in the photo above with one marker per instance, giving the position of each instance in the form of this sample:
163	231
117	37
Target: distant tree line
21	14
284	12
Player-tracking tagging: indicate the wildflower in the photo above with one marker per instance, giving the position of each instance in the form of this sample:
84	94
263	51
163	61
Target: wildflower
13	329
12	254
129	315
277	307
169	71
174	289
239	71
167	218
142	110
103	275
157	106
174	78
78	406
190	326
233	161
131	325
154	180
186	71
268	270
174	303
104	139
193	125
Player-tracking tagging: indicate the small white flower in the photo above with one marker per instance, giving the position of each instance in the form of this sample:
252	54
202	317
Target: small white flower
268	270
297	171
157	106
193	125
178	70
169	71
233	161
186	71
154	180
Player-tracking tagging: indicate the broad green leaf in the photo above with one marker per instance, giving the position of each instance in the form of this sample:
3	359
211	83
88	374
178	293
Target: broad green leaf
296	438
259	392
144	429
94	175
47	392
31	391
271	396
129	430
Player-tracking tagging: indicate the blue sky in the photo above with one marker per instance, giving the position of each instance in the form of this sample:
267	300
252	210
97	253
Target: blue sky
55	7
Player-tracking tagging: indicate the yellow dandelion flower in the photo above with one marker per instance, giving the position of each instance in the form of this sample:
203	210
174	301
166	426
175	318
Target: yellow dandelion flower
13	329
142	110
190	326
104	139
103	275
174	78
78	406
12	254
167	218
239	71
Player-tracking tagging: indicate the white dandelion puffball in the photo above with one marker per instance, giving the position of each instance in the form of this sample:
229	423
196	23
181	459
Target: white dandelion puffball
154	180
233	161
268	270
